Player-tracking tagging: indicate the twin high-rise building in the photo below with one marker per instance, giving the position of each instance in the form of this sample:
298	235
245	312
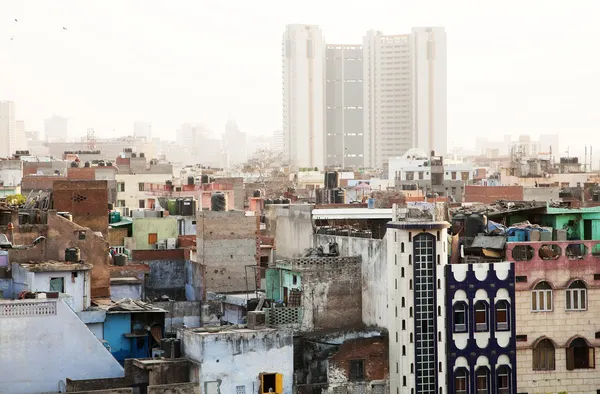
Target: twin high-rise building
359	105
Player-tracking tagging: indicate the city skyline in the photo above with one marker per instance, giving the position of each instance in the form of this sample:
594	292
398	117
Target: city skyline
498	78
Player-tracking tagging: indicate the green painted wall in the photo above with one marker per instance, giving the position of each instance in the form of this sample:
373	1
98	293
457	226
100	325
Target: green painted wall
163	227
277	279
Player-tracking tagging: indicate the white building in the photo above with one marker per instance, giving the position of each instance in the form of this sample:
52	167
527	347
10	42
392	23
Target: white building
55	129
388	123
142	129
240	360
429	88
344	106
417	256
303	53
197	145
7	128
19	139
277	143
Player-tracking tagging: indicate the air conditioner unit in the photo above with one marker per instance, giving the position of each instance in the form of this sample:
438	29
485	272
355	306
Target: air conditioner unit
171	243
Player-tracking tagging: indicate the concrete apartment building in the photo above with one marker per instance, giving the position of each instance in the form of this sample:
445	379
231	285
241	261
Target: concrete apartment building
344	106
7	128
142	129
381	98
55	128
388	117
303	54
235	145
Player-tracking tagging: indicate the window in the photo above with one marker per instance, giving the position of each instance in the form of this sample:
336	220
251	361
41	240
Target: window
402	272
294	280
481	381
240	389
460	317
120	203
481	321
401	246
453	175
541	297
502	315
576	296
142	204
420	174
121	187
580	355
461	381
152	238
141	186
543	356
357	369
57	284
503	380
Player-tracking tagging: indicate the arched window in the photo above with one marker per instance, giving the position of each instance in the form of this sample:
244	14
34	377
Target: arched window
576	296
481	316
541	297
580	355
502	311
543	356
482	380
460	317
461	381
503	381
402	247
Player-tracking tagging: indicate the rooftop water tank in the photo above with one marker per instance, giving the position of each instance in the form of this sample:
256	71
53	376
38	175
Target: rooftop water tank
218	202
72	255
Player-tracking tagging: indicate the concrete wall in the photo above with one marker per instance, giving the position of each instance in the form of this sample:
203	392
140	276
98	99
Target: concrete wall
163	227
541	193
119	291
181	313
36	352
237	357
292	228
176	388
373	270
167	277
226	244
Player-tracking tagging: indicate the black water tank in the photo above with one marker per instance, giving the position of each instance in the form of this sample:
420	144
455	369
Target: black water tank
268	201
339	196
73	255
277	201
204	179
190	180
256	193
188	207
218	202
142	154
133	155
179	205
111	206
286	201
331	180
458	222
74	164
475	225
320	196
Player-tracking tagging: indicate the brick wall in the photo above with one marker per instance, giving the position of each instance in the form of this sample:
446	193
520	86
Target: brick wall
87	201
490	194
81	173
226	244
38	182
373	352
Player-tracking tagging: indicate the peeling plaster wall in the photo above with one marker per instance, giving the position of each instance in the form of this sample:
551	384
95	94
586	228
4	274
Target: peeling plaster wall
237	358
292	228
373	270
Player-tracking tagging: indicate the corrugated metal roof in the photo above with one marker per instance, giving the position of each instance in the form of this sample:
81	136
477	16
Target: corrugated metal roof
352	213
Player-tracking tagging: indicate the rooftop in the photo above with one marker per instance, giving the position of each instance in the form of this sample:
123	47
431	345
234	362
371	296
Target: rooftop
55	266
225	330
126	305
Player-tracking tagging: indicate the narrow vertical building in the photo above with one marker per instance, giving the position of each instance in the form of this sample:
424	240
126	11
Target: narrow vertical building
344	145
7	128
417	256
428	45
303	53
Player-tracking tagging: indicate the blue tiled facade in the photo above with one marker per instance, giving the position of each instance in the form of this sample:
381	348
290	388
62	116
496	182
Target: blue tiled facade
483	340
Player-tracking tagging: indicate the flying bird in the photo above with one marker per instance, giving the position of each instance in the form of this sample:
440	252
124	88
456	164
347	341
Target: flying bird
12	38
64	28
16	20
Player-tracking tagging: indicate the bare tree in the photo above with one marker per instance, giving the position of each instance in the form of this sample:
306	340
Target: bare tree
262	163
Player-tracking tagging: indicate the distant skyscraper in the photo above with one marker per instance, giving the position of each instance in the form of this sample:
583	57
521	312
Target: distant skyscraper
277	141
20	138
235	144
429	88
303	51
198	145
142	130
388	125
7	128
55	129
344	145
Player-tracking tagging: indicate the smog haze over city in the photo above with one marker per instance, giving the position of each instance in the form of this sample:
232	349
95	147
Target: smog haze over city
514	67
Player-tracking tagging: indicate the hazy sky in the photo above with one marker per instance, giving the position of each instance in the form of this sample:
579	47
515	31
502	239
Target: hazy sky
513	66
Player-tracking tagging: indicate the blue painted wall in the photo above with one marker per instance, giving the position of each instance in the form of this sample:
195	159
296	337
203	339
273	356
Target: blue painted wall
471	352
115	326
